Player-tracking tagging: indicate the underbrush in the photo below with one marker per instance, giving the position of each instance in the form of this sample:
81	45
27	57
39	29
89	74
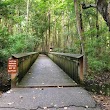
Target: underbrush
98	83
99	64
5	82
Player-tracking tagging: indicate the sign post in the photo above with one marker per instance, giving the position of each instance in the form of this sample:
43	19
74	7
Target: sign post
13	70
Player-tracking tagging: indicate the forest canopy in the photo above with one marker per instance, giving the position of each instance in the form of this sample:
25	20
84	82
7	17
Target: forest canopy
69	26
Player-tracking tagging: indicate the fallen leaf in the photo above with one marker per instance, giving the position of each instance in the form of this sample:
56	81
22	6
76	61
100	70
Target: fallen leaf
101	98
51	103
41	89
101	92
44	107
30	73
86	106
60	87
11	103
55	105
65	108
8	92
21	97
34	97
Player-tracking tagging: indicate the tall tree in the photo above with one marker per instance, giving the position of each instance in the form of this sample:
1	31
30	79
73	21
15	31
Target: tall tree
79	25
103	7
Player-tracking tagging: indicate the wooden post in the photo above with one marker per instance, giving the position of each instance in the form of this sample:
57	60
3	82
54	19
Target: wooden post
13	80
81	69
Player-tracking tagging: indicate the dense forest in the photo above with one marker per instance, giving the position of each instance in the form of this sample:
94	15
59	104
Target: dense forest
71	26
66	26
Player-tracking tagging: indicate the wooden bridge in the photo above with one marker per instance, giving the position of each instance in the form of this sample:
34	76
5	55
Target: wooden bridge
41	84
72	64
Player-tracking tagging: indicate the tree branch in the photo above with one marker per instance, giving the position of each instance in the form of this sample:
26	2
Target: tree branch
103	7
86	6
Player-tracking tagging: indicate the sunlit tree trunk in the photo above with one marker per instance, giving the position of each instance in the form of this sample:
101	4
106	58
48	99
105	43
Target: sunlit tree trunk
46	41
78	11
27	10
59	38
55	37
62	32
0	20
68	27
97	23
49	17
79	26
98	48
27	17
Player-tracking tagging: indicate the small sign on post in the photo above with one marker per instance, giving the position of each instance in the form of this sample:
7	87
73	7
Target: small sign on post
13	70
12	66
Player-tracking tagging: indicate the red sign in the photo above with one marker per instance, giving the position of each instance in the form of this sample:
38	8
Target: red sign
12	66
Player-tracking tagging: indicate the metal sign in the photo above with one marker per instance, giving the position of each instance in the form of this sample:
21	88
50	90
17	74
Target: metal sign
12	66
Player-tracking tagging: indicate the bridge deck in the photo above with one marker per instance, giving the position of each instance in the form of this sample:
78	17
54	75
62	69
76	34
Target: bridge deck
45	72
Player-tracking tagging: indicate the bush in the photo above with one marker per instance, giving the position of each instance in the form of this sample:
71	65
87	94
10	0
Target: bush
99	64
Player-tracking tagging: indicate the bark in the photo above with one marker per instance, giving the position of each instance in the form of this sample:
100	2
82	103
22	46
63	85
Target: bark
0	20
104	9
49	17
59	39
79	25
97	24
68	26
46	42
55	37
80	31
27	16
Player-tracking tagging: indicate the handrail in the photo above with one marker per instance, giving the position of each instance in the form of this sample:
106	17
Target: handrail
72	64
20	55
76	56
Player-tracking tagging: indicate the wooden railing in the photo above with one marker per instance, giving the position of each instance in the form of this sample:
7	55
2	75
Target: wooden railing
72	64
25	60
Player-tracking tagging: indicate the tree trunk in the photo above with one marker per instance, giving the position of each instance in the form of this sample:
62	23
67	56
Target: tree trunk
79	25
27	16
68	26
59	39
49	29
46	40
0	20
78	11
104	9
97	23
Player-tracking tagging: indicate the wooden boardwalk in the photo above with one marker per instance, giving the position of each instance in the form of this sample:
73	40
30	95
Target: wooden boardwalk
45	73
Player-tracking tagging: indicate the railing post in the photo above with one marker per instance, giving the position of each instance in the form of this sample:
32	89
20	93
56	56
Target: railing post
81	69
13	80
